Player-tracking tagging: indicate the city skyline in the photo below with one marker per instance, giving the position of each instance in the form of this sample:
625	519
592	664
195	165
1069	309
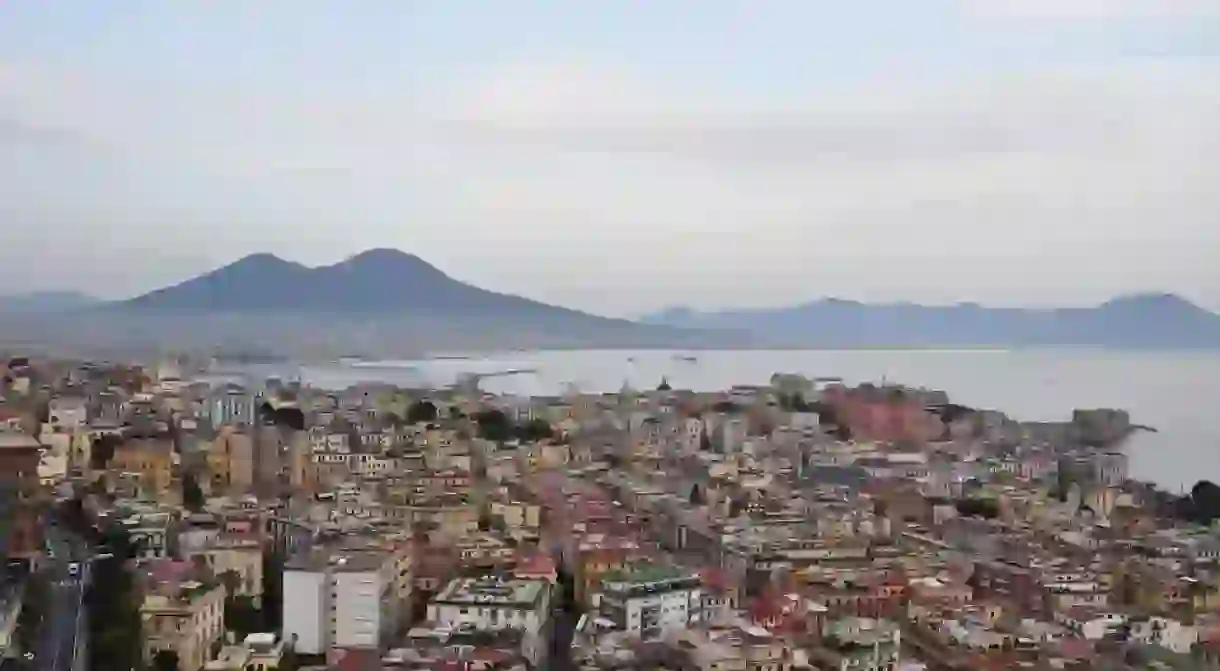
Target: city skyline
623	158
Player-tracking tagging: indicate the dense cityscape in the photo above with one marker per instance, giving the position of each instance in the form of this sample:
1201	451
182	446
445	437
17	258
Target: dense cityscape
545	335
157	518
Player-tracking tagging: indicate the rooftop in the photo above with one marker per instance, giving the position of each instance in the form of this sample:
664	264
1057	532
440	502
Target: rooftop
187	595
492	591
648	573
319	559
12	440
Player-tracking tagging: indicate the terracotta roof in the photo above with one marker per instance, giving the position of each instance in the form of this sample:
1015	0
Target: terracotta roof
536	564
713	579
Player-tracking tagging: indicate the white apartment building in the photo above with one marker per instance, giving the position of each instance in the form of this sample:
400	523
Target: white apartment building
340	600
493	604
651	601
729	435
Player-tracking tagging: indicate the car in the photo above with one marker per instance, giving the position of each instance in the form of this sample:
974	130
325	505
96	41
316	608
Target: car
74	569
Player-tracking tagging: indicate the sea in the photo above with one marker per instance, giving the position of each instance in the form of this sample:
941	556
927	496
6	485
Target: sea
1176	393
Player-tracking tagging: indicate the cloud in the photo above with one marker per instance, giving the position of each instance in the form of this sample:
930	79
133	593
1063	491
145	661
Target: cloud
1051	115
618	191
1092	9
950	188
18	134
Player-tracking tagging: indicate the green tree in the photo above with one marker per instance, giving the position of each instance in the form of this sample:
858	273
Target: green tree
192	494
102	450
421	411
391	419
975	507
273	589
494	425
71	513
534	430
697	497
794	402
35	594
165	660
114	612
241	615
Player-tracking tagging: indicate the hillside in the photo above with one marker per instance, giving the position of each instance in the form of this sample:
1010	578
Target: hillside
1142	320
46	301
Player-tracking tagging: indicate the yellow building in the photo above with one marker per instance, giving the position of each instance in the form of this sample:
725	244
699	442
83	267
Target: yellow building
241	557
188	622
151	459
518	515
450	515
231	463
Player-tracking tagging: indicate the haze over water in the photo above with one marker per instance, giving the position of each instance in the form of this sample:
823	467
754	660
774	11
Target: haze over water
1173	392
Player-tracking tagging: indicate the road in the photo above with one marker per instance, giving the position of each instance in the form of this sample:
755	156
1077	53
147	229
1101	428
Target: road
564	626
61	645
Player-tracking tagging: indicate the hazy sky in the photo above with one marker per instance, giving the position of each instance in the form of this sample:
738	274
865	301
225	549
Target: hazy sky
622	155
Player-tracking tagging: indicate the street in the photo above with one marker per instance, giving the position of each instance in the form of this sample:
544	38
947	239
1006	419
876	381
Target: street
563	627
61	640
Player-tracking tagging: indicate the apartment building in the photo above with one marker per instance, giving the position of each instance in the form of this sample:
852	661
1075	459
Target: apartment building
239	559
153	534
651	601
186	619
231	462
230	406
497	604
151	459
340	600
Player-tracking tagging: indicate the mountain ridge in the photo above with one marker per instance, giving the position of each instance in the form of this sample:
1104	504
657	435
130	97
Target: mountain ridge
381	299
46	301
395	303
1149	319
380	280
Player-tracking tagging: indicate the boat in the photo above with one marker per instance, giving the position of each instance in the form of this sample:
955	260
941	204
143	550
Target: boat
686	357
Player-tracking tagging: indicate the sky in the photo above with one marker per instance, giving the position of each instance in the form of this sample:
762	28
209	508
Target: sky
620	156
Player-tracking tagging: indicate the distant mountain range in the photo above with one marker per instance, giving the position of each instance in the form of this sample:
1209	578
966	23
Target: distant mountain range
46	301
1142	320
389	303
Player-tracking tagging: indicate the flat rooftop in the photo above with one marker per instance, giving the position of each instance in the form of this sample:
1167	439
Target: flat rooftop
491	591
648	573
337	560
